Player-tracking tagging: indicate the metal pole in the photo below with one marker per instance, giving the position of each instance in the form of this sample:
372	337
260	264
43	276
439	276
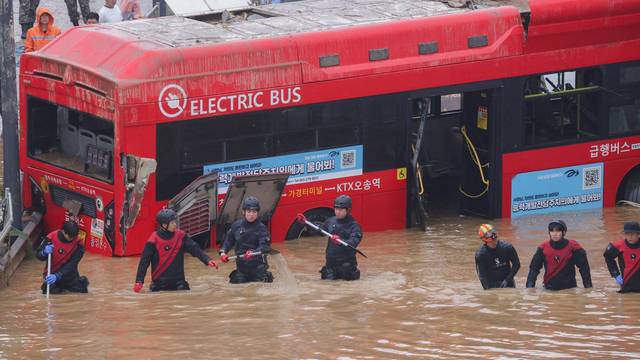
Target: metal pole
9	109
162	7
48	273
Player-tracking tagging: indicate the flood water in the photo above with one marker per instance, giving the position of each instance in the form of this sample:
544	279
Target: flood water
419	297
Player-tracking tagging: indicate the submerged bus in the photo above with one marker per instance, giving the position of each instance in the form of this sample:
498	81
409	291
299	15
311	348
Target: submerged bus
497	109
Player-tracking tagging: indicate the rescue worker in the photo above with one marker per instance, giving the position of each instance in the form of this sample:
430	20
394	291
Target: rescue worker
42	32
559	256
496	260
66	252
341	260
627	252
247	236
165	251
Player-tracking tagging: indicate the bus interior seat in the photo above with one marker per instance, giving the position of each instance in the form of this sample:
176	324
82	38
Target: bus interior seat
618	120
85	137
104	142
69	139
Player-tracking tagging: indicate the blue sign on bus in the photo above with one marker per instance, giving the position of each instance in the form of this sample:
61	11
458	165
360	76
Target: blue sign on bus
569	188
303	167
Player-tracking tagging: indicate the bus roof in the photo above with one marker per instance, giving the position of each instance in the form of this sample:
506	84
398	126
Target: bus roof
293	17
316	40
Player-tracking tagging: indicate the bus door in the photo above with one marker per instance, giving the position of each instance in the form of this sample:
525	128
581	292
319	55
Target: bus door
197	207
267	188
476	127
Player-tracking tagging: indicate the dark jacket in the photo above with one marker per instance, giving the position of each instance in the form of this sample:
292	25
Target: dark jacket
68	273
613	253
175	270
243	236
496	265
350	232
566	277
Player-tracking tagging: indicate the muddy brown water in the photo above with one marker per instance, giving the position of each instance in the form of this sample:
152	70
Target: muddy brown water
419	297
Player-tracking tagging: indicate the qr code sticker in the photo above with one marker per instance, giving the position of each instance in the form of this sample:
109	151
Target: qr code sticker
591	178
347	159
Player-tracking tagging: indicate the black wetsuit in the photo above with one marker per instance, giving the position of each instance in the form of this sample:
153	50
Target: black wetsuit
173	277
559	259
69	278
341	260
497	267
628	256
254	236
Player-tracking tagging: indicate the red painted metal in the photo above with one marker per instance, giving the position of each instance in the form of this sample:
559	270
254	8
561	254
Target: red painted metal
118	76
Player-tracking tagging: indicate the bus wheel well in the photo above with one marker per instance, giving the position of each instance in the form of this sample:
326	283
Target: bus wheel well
316	216
629	189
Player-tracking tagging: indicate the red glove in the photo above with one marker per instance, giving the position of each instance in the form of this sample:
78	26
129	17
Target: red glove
224	258
334	238
212	263
248	255
137	287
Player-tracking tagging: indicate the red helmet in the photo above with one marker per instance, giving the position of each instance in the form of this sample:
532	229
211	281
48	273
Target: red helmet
486	231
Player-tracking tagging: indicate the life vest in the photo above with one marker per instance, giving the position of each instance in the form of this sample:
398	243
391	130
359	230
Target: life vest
631	260
62	251
167	250
557	259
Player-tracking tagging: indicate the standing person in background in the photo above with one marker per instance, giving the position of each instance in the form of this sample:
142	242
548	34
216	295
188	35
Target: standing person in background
496	261
560	258
93	18
110	12
130	10
42	32
72	9
27	15
627	252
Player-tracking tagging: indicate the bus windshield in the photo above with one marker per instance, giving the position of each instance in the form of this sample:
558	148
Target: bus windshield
70	139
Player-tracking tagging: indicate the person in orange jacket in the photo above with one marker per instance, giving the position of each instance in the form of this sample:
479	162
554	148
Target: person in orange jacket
42	32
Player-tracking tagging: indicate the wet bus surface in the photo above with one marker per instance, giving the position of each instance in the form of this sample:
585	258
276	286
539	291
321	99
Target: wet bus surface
419	297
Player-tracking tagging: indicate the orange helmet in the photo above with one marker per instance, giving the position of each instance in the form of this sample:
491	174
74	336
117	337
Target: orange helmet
486	231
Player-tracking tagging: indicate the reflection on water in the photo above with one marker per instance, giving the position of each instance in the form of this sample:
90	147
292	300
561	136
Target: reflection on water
418	297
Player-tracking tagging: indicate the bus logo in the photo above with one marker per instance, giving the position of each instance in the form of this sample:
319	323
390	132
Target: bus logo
172	100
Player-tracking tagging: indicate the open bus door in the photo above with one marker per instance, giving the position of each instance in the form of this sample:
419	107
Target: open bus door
197	207
476	128
267	188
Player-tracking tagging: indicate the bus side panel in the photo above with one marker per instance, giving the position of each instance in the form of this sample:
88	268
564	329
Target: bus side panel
379	200
616	165
93	231
141	142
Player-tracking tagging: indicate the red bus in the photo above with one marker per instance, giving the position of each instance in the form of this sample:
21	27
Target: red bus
407	106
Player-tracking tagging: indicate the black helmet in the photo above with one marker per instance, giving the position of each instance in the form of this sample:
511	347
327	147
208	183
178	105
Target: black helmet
251	203
558	224
165	216
342	202
631	227
70	228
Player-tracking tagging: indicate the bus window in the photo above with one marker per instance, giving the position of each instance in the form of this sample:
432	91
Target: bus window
624	101
69	139
450	103
562	106
247	148
296	141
